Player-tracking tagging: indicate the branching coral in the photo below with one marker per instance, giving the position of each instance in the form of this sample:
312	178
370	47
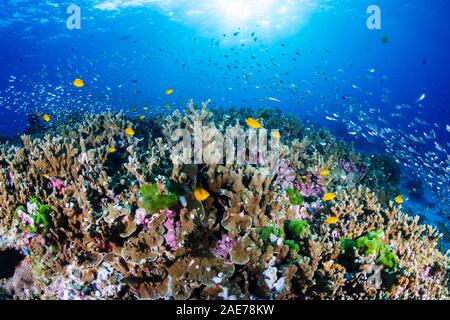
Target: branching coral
127	224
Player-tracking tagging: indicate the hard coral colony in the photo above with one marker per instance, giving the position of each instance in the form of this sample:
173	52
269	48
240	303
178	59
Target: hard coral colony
130	224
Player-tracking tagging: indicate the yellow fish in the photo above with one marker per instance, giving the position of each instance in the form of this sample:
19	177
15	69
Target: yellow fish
350	234
46	118
328	196
141	117
145	108
332	220
112	150
168	106
304	177
253	123
78	83
325	172
129	131
399	199
169	91
276	134
201	194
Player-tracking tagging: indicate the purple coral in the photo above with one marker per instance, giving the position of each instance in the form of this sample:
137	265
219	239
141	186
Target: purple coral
171	230
349	167
57	184
223	247
311	187
285	175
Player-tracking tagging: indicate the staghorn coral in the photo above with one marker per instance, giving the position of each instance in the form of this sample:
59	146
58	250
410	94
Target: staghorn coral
127	225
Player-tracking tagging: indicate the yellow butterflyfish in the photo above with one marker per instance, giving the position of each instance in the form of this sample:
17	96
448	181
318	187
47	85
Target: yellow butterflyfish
325	172
253	123
201	194
328	196
78	83
399	199
332	220
46	118
276	134
129	131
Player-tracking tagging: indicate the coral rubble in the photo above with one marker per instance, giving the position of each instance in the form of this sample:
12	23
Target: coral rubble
101	214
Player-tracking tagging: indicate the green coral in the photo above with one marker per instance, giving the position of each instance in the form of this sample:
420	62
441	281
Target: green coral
298	228
295	197
371	244
292	245
153	200
387	258
41	218
267	231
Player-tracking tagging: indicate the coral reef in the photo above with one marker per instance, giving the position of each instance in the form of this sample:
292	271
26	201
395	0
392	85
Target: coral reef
100	214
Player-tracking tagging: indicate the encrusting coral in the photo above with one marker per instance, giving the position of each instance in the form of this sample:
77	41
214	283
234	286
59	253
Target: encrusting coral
100	214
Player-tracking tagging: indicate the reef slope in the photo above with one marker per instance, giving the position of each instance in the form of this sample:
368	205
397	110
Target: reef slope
102	212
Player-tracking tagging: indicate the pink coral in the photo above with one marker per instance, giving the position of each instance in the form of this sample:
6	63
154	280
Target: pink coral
285	175
223	247
57	184
140	215
171	230
311	187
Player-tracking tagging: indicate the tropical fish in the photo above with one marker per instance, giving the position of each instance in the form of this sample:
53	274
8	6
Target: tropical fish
141	117
145	108
276	134
332	220
384	39
201	194
325	172
328	196
422	97
129	132
399	199
46	118
169	91
253	123
78	83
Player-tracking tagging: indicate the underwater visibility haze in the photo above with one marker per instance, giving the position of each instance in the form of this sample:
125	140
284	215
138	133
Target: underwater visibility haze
350	199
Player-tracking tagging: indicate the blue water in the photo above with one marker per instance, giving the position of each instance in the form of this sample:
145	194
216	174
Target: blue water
325	64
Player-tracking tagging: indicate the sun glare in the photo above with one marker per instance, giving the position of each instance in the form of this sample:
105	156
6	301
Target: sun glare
241	13
269	18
